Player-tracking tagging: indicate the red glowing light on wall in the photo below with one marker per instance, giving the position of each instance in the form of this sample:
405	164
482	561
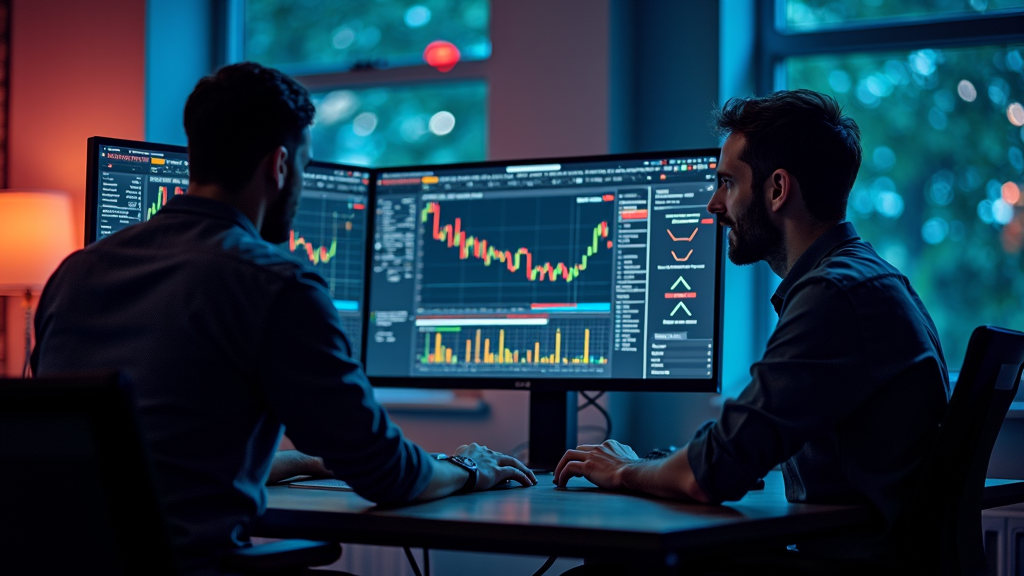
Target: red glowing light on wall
442	55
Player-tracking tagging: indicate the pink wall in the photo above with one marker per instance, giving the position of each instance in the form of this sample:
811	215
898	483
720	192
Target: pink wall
77	70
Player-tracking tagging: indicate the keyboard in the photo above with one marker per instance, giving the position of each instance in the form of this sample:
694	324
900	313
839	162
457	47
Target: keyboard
322	484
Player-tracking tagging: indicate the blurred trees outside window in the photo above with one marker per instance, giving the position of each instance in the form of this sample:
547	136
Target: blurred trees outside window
323	43
940	193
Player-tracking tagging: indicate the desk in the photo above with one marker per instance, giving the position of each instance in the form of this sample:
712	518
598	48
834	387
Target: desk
581	521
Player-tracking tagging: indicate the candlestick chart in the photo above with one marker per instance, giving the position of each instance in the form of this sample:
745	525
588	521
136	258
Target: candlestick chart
514	252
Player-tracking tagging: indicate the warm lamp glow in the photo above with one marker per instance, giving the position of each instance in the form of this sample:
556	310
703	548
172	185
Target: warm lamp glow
36	234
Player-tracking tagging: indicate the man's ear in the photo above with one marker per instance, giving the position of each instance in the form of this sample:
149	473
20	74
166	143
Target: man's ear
279	166
781	187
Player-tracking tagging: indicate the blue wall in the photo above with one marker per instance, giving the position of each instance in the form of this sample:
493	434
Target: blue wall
180	50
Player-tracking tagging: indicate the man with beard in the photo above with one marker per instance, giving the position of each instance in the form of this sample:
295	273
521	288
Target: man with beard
852	386
228	339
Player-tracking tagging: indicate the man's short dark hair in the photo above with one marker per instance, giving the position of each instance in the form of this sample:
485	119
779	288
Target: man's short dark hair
238	115
805	133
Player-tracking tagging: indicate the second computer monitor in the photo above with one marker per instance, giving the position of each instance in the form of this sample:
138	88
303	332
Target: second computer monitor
599	273
329	232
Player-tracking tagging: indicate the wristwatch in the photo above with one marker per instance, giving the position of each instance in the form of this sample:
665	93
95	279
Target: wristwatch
466	464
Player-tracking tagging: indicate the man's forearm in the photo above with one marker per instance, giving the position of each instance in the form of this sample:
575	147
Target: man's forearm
288	463
445	480
671	477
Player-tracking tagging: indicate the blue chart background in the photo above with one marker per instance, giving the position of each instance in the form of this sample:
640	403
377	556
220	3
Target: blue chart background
554	229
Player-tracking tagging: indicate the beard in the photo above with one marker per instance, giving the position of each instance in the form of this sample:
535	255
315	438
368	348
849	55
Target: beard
754	237
278	220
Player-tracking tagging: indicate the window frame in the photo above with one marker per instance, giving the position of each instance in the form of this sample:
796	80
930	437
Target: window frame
775	44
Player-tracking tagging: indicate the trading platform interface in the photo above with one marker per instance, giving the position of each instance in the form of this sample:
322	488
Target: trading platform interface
134	184
589	269
329	232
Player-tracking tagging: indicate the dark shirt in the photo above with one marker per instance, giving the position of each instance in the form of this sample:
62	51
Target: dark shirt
229	341
849	394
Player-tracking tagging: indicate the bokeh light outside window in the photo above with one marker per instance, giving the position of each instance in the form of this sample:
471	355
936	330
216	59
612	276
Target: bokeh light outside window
311	36
939	192
810	15
396	122
402	125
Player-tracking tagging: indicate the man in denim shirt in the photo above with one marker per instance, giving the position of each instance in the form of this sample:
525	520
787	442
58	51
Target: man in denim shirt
228	340
853	385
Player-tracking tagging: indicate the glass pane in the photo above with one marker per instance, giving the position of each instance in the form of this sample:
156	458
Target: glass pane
311	35
939	190
808	15
402	125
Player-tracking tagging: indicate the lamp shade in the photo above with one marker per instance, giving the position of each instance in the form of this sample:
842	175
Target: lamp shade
36	234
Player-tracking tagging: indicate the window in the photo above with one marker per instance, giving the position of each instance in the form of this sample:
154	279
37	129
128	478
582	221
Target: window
378	102
304	36
939	104
402	125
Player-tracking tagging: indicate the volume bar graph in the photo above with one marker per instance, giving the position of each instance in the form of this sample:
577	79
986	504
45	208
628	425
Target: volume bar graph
521	259
513	349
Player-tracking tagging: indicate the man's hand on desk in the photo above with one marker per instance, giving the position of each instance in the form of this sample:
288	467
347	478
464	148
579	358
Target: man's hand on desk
288	463
493	469
614	466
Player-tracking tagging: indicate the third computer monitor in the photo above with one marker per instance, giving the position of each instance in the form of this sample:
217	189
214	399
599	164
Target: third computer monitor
581	273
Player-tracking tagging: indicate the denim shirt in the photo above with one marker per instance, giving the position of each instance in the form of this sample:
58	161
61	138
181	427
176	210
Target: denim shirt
229	342
850	392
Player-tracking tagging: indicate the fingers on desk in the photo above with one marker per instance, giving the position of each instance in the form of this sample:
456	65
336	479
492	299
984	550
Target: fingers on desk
579	454
512	462
569	470
513	473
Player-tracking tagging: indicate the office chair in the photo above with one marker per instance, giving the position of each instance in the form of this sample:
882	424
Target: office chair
76	493
943	523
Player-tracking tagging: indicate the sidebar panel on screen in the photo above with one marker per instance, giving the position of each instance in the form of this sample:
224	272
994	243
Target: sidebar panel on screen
579	270
135	183
329	232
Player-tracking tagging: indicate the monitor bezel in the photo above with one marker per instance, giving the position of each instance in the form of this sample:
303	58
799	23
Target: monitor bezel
92	173
713	384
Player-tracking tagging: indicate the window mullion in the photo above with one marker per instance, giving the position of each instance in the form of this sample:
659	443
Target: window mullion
974	31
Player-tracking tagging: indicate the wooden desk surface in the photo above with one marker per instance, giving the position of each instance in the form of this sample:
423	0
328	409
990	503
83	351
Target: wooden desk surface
581	520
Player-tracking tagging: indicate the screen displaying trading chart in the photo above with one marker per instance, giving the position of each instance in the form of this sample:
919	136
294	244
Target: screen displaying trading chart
134	182
591	269
329	232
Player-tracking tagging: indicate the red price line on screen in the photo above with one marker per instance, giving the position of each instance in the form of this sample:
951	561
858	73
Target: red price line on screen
315	255
456	237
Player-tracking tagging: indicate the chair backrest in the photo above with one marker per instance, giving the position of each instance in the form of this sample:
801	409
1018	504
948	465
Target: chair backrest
76	493
945	516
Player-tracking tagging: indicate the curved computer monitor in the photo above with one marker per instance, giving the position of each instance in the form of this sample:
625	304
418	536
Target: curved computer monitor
596	273
130	181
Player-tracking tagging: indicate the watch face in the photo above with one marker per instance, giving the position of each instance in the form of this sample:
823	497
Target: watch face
465	461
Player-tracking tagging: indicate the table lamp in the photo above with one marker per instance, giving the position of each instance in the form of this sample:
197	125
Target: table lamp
36	233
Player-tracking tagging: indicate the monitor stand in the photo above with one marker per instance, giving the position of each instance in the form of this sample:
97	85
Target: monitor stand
553	428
